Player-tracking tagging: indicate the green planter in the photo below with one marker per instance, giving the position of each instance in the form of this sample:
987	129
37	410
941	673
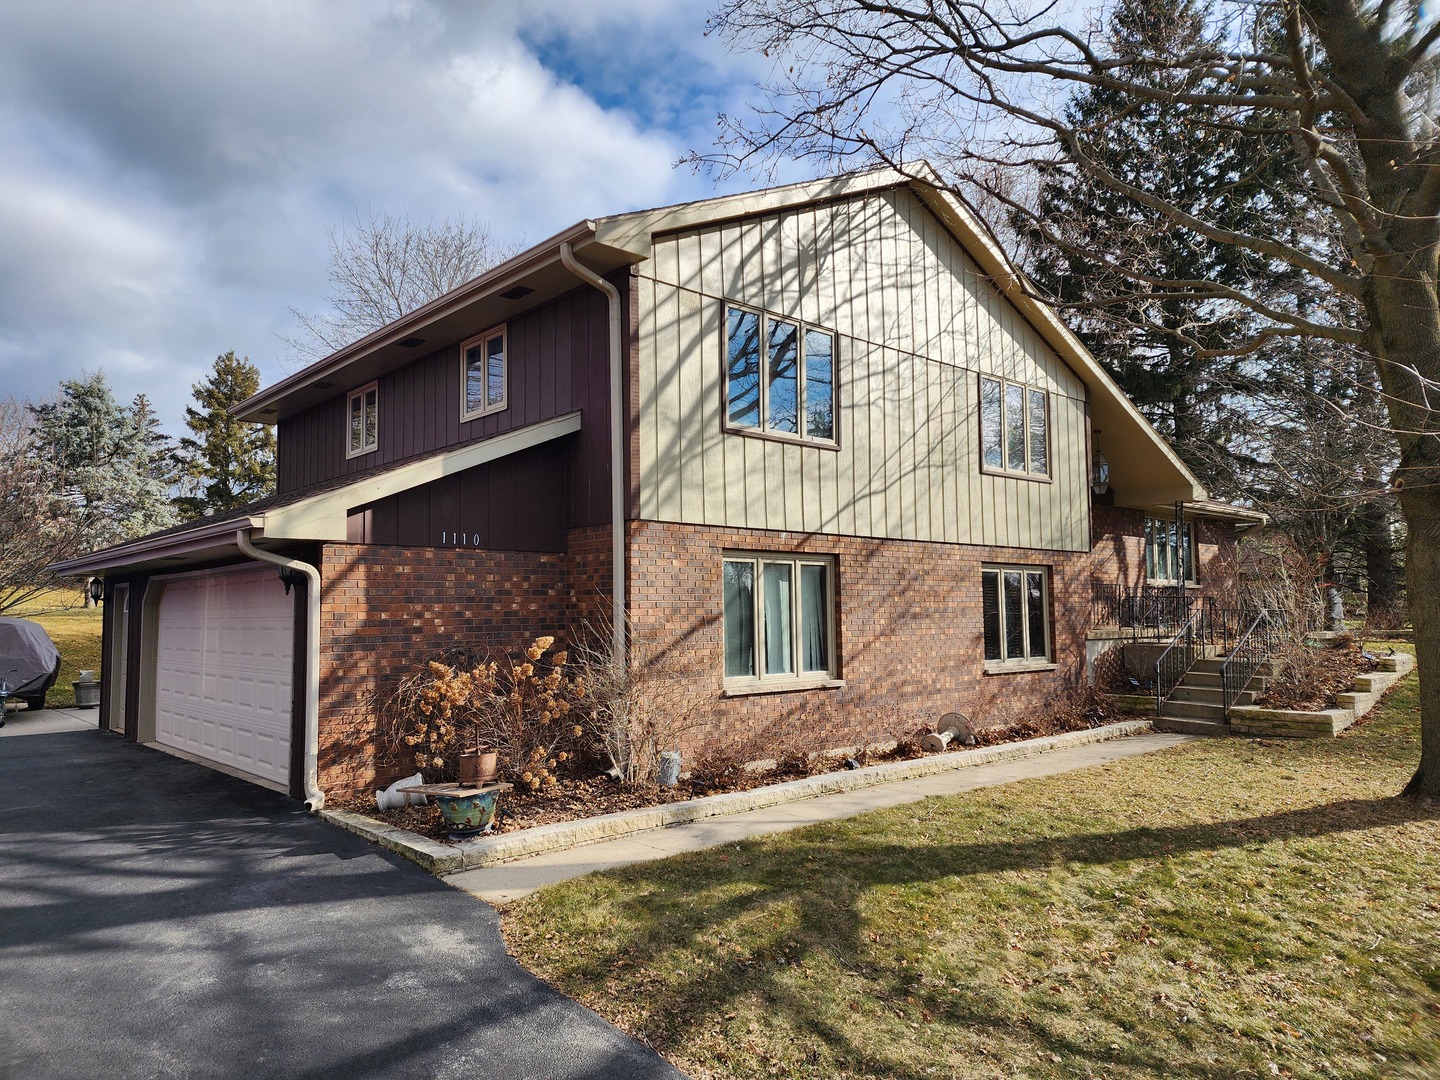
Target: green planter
468	811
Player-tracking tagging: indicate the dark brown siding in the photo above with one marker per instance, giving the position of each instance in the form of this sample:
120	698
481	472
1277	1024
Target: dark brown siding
514	504
557	364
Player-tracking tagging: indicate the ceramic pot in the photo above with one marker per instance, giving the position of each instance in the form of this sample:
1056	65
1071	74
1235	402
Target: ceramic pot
478	767
470	814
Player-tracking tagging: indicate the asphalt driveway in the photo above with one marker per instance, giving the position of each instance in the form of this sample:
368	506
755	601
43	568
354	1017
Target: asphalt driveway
158	919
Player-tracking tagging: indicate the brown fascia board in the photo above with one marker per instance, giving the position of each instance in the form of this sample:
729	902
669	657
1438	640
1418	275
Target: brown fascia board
267	405
148	550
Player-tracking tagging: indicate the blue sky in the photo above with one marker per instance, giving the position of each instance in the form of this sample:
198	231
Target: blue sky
171	170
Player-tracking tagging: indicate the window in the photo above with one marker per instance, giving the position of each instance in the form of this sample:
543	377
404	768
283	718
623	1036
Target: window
1169	550
1016	614
1014	427
363	410
779	376
779	618
484	371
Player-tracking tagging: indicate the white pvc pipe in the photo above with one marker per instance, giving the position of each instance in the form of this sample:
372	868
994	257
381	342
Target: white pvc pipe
617	451
314	797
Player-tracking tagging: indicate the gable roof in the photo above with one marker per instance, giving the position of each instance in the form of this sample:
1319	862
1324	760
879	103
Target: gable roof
1143	467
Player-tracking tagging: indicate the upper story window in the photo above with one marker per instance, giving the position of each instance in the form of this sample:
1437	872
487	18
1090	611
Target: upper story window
363	410
485	374
1014	427
1169	550
779	376
779	618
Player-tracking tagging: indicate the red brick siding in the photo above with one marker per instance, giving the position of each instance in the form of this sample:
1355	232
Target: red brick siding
385	609
1118	552
909	633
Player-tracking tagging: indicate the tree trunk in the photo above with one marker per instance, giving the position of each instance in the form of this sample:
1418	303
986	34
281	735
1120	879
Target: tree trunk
1422	562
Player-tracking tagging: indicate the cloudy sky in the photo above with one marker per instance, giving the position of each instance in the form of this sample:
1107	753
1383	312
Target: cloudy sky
169	171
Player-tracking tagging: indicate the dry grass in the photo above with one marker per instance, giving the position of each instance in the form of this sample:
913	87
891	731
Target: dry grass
1226	909
75	629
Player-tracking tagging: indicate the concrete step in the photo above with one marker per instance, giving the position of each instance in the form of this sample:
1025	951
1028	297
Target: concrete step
1189	725
1212	695
1193	710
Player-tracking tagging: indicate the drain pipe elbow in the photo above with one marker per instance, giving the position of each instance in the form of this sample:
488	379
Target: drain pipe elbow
617	451
314	797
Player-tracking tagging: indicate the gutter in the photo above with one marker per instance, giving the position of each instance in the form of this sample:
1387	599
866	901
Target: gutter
617	454
314	797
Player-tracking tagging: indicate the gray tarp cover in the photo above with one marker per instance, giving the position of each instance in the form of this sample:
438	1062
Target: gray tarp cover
24	645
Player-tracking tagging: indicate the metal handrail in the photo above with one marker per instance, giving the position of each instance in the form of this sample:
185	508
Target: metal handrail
1250	651
1177	658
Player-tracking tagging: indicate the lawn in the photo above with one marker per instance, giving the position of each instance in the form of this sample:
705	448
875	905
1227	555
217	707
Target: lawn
75	629
1229	908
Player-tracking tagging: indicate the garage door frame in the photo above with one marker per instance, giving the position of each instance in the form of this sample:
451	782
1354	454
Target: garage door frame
144	667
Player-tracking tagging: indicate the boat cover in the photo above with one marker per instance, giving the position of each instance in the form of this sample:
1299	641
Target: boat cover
26	647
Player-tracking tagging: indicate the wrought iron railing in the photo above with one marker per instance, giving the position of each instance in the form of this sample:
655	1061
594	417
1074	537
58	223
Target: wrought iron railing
1251	649
1147	612
1180	655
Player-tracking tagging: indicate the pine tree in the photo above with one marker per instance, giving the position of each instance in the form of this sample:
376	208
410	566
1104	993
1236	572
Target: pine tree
110	466
227	463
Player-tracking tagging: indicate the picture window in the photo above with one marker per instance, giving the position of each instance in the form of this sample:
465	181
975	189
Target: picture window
1014	427
780	376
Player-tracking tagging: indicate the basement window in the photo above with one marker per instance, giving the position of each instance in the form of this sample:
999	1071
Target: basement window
779	619
1016	608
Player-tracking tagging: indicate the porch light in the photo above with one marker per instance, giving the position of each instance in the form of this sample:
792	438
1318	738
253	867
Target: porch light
96	588
1100	475
290	578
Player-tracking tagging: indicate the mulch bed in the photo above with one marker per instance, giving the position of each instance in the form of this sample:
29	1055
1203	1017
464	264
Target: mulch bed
1325	672
571	799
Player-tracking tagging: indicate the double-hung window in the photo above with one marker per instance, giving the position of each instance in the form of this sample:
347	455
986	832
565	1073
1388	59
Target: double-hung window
1169	550
1014	427
1016	611
484	373
779	376
779	618
362	409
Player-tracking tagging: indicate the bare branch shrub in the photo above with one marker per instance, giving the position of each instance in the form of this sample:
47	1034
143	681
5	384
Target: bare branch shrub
647	707
1281	580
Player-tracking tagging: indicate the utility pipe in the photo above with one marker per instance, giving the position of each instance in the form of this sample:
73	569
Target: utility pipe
314	797
617	452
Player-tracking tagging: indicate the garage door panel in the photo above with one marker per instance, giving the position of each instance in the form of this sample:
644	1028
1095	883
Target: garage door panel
224	661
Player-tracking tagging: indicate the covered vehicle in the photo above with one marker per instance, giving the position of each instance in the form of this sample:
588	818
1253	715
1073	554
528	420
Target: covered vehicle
29	661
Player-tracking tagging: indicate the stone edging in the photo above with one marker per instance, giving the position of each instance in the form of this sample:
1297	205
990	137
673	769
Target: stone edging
441	858
1257	720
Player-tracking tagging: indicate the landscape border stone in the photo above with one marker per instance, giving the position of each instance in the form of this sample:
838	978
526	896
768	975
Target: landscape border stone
1324	723
441	858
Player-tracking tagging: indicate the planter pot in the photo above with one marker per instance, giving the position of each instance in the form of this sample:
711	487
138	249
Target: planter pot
478	767
468	811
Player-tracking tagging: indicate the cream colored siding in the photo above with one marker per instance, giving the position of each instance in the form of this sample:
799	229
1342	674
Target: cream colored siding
916	325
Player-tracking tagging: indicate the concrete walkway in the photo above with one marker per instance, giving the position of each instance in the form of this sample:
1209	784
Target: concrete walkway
511	881
49	721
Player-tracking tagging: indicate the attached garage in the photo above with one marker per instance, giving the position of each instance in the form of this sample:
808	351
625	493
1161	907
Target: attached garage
224	669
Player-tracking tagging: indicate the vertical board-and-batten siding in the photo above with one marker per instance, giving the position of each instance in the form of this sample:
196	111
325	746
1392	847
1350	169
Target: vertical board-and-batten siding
917	323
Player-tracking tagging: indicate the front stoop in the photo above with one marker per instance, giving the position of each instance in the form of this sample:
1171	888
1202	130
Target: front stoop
1323	723
1197	705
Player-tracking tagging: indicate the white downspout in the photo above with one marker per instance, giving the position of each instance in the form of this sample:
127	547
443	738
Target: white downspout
314	797
617	450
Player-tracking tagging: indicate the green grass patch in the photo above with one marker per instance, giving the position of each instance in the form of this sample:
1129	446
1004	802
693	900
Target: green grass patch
75	629
1229	908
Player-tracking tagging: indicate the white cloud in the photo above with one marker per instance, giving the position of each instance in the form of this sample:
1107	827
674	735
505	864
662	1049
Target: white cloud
173	169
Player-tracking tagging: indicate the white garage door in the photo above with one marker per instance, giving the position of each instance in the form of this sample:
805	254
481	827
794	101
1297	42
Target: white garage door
224	671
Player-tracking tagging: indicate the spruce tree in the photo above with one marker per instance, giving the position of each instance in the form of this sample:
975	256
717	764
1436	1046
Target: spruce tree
225	462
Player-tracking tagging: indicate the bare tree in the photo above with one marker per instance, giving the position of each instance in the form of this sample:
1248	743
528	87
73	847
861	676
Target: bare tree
383	266
38	524
1345	87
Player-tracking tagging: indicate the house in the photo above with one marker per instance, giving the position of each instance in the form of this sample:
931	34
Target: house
855	464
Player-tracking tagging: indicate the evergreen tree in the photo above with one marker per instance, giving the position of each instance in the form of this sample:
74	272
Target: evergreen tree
111	460
227	463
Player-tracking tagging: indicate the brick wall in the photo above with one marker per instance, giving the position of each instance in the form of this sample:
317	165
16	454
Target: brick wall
909	635
386	609
1118	551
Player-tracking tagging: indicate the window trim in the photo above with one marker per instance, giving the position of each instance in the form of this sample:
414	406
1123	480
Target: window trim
1018	663
796	680
351	451
481	340
1046	477
1191	551
760	431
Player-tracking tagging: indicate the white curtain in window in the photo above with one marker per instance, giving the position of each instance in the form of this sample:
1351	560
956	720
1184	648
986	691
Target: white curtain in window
779	650
813	619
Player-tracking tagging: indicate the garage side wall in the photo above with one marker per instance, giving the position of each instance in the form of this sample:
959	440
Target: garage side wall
385	610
